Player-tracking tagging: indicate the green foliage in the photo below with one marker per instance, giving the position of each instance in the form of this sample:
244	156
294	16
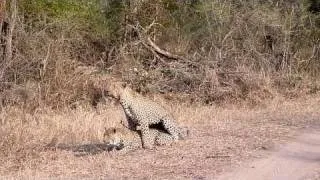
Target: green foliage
115	16
78	15
313	6
189	16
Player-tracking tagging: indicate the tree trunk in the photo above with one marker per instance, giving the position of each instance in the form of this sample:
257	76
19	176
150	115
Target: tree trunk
8	40
3	29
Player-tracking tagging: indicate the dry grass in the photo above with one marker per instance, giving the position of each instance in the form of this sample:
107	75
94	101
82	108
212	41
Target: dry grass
220	139
246	53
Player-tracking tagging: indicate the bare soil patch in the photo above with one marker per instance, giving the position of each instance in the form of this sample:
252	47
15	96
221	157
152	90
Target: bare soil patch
221	139
296	160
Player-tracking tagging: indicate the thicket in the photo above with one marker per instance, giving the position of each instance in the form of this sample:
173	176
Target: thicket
206	51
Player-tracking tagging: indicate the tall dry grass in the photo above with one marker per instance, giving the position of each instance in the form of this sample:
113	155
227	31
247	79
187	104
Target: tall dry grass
23	132
24	136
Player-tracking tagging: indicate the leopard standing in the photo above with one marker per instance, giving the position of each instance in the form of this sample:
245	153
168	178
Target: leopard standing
142	113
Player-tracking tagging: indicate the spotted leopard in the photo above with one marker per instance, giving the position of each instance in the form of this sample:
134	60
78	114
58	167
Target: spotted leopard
143	113
125	139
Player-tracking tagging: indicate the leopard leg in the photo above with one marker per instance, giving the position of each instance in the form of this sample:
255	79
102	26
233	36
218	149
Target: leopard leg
171	127
145	136
128	123
163	139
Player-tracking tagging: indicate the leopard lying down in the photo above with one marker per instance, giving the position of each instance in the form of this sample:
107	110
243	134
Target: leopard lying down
125	139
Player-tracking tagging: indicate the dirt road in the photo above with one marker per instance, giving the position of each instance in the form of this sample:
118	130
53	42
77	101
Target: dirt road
299	159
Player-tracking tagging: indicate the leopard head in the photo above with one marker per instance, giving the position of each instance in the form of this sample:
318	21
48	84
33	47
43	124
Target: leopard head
111	136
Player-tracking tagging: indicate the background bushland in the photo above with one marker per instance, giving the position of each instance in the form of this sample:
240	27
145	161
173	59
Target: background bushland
202	51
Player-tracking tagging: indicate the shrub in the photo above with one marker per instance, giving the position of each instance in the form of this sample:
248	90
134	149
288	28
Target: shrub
220	50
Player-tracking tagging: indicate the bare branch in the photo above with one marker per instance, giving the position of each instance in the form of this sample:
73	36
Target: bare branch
161	51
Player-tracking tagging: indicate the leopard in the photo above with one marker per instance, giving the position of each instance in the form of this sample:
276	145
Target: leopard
127	140
142	113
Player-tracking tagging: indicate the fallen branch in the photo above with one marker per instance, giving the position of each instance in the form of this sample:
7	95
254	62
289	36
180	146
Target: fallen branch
154	48
163	52
154	53
157	49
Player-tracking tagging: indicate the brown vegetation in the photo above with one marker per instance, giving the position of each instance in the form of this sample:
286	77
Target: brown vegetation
57	56
211	51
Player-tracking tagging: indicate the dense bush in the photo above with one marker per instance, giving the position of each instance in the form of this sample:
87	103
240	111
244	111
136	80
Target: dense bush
222	50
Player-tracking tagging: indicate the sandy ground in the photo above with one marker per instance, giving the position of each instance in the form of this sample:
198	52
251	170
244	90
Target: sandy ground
221	140
297	160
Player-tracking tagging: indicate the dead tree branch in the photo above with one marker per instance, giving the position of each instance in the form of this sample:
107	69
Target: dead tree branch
161	51
154	48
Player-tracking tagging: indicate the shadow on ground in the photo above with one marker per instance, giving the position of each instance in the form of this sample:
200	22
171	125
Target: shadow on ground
86	149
